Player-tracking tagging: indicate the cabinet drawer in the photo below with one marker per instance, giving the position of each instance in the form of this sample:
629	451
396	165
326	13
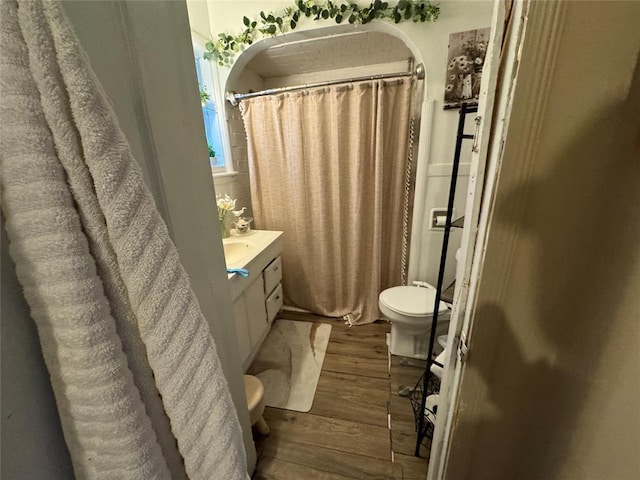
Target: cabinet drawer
272	275
274	303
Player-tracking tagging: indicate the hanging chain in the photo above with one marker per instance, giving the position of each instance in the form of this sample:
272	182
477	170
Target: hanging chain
405	212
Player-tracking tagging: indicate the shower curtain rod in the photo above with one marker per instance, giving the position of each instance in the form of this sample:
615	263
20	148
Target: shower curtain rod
233	97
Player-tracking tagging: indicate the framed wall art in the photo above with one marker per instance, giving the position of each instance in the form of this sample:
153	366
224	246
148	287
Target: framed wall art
467	51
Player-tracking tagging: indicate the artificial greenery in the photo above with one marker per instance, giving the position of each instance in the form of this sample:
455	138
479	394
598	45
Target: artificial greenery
212	152
271	24
204	96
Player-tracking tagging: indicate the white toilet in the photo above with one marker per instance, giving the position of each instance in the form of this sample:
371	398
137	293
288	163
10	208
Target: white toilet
410	311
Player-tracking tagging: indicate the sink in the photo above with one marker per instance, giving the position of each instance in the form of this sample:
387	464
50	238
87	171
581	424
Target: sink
253	251
235	252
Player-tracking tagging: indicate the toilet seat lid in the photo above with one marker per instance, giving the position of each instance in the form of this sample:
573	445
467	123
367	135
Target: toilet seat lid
411	301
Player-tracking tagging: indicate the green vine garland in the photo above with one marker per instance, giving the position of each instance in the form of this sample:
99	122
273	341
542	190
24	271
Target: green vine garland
271	24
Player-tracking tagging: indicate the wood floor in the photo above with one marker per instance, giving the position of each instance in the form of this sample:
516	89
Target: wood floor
346	435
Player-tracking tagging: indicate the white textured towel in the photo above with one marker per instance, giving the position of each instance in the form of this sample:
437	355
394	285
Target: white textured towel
137	380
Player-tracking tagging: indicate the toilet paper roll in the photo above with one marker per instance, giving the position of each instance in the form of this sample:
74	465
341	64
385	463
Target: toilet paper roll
441	220
431	407
436	369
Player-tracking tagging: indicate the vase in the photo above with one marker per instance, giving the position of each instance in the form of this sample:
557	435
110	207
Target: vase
225	227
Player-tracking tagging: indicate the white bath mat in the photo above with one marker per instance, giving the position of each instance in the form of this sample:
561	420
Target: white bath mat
289	363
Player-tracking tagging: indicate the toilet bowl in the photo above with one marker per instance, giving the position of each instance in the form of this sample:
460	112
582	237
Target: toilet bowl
410	311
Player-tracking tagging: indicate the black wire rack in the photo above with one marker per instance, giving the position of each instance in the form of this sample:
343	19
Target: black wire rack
429	383
424	426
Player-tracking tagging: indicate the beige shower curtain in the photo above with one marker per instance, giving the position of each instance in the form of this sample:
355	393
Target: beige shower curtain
327	167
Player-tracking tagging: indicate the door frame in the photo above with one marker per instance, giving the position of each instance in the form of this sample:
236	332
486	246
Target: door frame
520	29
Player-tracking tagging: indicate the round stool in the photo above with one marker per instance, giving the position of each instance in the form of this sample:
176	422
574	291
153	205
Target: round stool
254	391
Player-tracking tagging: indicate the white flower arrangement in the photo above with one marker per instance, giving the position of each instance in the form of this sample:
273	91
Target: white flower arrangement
226	206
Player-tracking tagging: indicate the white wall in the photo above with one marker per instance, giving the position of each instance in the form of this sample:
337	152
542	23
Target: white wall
551	388
238	186
438	137
199	17
336	74
149	75
430	41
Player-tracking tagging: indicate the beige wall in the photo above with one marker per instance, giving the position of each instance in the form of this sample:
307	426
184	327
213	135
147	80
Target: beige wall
551	389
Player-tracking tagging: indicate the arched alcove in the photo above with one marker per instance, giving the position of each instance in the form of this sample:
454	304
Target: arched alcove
324	49
333	53
427	43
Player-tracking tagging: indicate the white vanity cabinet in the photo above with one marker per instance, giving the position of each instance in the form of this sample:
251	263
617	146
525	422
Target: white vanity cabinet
258	297
272	275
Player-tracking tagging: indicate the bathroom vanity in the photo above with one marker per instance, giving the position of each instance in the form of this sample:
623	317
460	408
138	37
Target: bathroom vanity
258	297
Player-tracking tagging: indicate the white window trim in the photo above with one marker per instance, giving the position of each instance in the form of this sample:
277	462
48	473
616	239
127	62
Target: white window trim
218	98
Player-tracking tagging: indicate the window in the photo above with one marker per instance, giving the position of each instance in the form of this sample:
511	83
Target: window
210	113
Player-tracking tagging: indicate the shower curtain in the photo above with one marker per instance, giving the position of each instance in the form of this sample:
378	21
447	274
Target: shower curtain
327	167
138	383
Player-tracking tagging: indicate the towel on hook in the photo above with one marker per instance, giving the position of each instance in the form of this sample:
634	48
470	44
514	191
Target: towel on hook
138	383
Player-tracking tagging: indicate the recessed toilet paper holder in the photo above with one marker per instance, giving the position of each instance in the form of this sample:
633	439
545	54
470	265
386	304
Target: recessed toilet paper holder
438	218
